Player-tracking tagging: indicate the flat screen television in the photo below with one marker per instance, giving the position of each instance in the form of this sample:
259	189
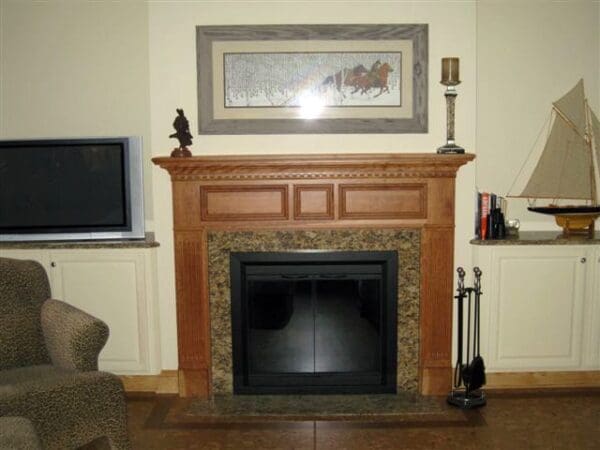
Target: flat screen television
71	189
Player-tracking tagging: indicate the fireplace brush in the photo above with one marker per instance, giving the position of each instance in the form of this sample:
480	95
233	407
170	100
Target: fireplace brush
469	377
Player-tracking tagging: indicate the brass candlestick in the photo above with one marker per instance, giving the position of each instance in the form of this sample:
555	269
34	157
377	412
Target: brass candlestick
450	78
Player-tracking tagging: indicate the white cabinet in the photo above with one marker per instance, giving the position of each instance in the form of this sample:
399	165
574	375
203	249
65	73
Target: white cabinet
540	307
593	335
115	285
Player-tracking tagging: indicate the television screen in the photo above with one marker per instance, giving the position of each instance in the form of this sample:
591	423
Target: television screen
65	186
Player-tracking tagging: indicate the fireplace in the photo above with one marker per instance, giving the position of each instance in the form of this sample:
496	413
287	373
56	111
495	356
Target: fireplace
225	204
405	244
314	322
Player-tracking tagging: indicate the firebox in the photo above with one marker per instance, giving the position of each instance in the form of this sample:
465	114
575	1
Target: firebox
314	322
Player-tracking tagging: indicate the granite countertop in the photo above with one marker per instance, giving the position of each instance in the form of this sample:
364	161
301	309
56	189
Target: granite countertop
148	242
541	238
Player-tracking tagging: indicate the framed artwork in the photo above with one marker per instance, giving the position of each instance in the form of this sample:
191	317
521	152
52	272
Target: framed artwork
282	79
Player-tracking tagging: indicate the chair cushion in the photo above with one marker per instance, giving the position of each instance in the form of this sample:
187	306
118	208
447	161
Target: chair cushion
23	288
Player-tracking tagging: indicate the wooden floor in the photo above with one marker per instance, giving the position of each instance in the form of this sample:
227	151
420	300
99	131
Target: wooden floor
511	420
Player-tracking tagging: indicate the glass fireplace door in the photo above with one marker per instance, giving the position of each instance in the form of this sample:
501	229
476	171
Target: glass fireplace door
347	325
315	327
281	328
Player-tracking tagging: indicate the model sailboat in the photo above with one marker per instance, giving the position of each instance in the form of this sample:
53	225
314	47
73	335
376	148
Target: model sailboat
568	165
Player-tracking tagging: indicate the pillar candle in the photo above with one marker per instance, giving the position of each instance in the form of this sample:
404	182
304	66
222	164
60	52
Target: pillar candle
450	75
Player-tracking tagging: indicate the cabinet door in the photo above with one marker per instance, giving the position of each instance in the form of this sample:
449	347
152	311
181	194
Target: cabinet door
538	299
593	315
113	286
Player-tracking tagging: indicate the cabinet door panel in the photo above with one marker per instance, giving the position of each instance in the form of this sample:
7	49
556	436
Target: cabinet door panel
593	336
536	309
109	286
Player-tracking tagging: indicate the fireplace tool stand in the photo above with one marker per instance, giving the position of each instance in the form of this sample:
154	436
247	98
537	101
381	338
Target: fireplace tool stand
469	376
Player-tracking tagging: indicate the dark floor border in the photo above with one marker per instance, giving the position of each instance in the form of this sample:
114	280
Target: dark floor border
158	419
163	404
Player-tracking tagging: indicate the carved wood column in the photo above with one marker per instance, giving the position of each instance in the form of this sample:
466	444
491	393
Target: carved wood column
312	192
193	321
437	264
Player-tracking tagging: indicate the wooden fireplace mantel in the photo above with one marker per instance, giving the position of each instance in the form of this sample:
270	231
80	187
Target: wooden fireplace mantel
270	192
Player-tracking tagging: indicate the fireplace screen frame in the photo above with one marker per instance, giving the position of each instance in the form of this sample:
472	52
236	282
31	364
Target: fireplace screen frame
381	381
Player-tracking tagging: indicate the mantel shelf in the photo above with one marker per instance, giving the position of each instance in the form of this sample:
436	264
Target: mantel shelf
305	166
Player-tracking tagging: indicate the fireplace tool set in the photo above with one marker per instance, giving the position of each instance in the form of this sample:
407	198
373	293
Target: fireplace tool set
469	375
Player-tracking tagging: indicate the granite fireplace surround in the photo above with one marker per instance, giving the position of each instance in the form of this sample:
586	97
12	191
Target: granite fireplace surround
402	202
405	242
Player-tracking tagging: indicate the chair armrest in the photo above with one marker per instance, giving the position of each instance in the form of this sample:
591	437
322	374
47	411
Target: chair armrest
73	338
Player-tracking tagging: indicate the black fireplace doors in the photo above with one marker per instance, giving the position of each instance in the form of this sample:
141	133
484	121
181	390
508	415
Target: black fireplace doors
314	322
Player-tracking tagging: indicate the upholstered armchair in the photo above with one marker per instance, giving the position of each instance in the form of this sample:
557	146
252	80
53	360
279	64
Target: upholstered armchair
49	365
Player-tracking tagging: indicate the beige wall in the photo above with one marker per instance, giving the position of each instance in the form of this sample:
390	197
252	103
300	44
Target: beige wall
74	68
528	55
173	84
93	68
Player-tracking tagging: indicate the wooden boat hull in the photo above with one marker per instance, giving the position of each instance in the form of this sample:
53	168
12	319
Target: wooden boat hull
572	219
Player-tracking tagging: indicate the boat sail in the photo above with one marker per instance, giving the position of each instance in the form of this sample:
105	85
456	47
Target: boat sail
568	166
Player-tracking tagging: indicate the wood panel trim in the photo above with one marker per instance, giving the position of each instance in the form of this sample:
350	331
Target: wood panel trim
195	383
435	380
435	325
292	167
344	189
166	382
207	216
549	379
328	214
193	326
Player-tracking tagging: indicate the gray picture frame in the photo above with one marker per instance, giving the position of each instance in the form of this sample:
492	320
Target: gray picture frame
414	36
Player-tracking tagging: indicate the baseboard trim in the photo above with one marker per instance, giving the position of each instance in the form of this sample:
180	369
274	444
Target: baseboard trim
166	382
520	380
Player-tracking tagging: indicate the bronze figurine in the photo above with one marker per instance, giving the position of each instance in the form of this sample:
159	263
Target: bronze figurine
182	134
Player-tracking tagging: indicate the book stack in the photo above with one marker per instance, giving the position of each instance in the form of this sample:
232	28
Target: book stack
489	216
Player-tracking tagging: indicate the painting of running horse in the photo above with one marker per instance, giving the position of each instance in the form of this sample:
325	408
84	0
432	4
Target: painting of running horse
335	79
361	79
345	77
